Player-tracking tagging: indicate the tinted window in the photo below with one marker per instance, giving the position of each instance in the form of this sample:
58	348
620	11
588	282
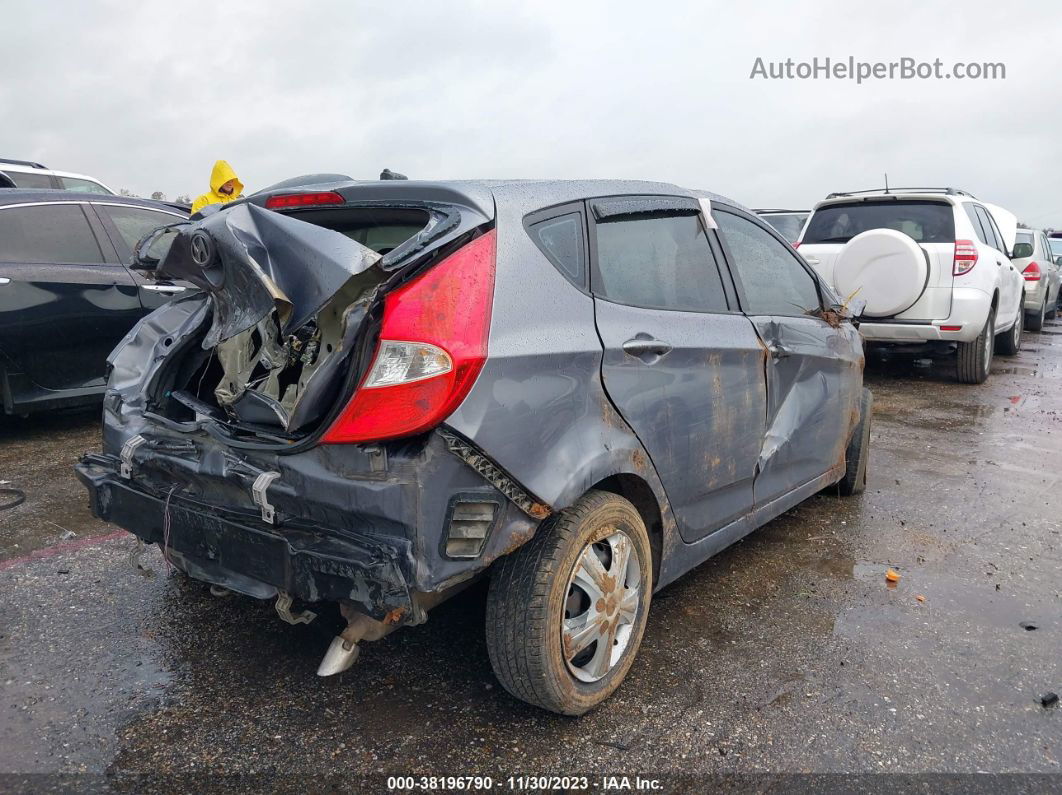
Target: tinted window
1025	237
30	180
663	263
133	223
788	224
990	229
83	185
924	221
561	239
53	233
774	280
976	223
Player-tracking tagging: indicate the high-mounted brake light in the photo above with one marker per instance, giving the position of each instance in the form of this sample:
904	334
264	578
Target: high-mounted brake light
433	342
965	257
288	200
1032	272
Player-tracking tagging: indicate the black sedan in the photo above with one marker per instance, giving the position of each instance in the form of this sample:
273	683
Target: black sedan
66	296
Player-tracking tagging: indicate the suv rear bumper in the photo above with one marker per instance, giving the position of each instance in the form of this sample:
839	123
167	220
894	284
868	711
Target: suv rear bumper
969	311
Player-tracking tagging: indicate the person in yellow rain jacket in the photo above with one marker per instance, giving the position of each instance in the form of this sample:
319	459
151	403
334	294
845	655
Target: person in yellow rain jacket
225	187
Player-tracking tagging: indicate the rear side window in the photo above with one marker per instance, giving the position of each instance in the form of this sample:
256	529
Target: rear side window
774	281
83	185
923	221
975	221
993	238
23	179
561	240
133	223
50	234
658	263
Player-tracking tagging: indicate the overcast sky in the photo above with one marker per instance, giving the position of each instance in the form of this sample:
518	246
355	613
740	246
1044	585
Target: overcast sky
147	95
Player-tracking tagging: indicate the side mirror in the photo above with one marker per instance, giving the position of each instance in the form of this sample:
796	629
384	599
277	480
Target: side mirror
1058	261
1022	250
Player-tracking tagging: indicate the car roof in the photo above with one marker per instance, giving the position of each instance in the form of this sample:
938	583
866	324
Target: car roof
918	195
774	211
526	194
9	196
19	168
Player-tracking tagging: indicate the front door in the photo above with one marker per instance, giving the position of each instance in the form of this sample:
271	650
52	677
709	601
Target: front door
814	368
64	300
681	364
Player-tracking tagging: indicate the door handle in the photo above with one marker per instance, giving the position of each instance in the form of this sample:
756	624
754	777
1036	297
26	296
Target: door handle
168	289
645	346
777	351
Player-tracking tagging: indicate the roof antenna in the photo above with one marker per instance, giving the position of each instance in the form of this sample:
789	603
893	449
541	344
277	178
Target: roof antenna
886	181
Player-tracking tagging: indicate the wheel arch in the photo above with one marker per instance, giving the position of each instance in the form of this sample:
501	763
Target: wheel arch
639	493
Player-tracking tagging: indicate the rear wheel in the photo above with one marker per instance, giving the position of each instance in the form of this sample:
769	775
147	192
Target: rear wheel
1009	343
1035	321
857	456
975	358
566	611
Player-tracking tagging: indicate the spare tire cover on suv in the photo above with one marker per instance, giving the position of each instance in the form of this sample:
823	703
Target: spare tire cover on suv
886	268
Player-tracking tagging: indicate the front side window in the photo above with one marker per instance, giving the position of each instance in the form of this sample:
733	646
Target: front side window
923	221
83	185
659	263
133	223
57	234
775	282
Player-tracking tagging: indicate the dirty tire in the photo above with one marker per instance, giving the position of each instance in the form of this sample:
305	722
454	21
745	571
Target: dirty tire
1009	343
975	358
526	604
1034	321
1052	313
857	456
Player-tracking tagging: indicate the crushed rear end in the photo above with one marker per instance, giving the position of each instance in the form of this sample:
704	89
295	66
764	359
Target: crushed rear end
281	433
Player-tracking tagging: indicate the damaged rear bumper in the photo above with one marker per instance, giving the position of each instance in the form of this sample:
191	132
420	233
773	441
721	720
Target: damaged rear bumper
252	557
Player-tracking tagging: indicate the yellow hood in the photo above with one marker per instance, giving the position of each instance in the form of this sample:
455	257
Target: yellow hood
221	174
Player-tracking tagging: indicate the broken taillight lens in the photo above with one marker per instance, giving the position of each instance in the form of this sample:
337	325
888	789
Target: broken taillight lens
965	257
289	200
433	342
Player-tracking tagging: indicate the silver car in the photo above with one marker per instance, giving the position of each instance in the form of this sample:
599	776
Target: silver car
1033	257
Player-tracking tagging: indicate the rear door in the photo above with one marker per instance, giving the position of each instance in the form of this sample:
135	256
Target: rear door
126	225
681	363
65	302
1011	284
814	370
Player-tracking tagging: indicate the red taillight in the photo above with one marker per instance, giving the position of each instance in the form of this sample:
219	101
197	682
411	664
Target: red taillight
965	257
951	328
288	200
433	342
1032	272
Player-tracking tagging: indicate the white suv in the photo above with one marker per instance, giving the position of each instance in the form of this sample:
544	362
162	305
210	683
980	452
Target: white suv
932	265
27	174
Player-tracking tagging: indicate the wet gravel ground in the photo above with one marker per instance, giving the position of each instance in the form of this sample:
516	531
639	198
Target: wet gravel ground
785	653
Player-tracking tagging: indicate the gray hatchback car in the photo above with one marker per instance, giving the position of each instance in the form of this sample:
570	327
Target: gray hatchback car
383	391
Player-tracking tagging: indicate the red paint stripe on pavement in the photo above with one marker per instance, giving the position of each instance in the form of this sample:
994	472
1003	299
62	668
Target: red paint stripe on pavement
58	549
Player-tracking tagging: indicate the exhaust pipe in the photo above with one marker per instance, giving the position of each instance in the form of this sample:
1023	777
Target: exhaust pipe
343	652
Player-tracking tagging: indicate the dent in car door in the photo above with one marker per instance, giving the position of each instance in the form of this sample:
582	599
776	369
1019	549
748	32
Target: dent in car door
684	370
63	305
813	368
